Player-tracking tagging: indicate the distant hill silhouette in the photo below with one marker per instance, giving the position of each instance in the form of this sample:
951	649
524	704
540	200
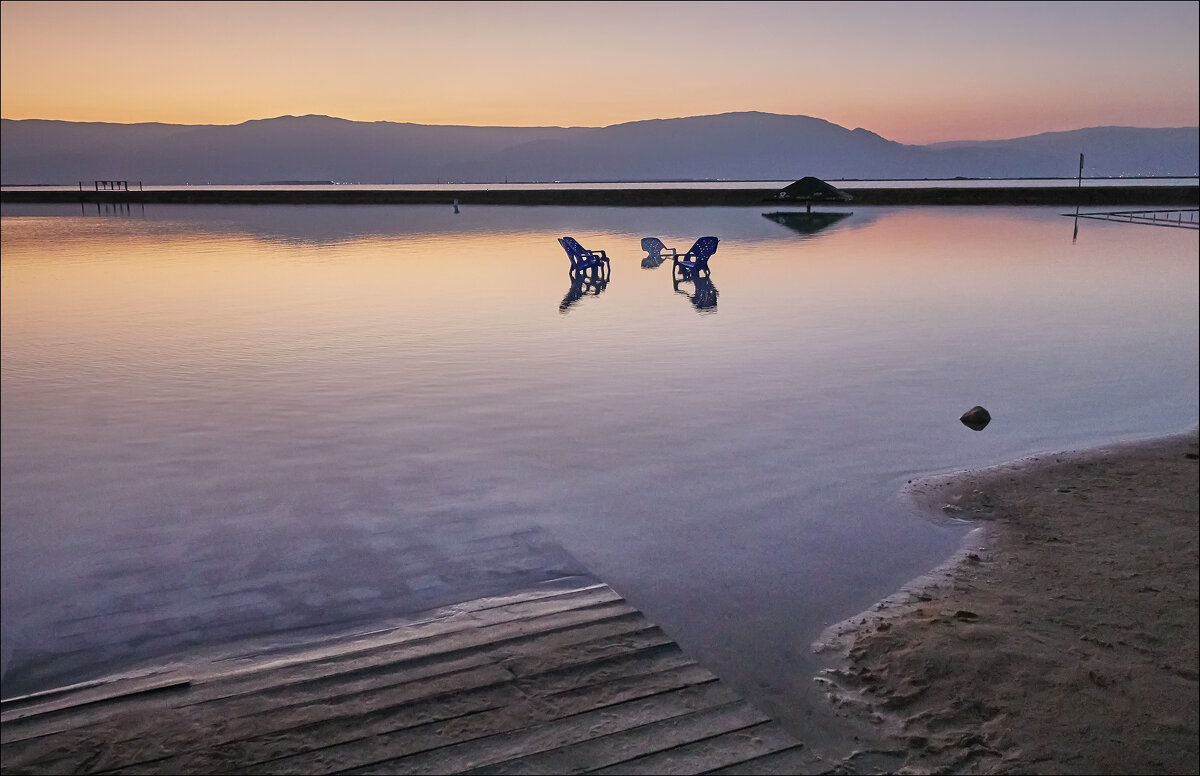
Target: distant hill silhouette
733	146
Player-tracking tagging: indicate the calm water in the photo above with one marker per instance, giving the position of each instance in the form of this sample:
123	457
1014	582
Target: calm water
233	422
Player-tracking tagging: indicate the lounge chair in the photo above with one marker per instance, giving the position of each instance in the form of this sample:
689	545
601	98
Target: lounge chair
583	259
656	249
695	261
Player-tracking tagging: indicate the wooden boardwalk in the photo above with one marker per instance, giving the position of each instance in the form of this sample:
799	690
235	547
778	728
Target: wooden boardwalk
559	677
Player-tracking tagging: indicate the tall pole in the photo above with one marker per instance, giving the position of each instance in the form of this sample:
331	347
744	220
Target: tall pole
1079	187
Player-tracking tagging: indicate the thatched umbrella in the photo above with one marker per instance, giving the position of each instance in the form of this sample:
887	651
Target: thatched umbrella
809	190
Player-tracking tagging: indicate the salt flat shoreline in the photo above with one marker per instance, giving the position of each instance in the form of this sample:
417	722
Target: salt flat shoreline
1098	196
1062	638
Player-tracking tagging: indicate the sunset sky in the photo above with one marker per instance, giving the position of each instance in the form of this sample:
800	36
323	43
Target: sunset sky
913	72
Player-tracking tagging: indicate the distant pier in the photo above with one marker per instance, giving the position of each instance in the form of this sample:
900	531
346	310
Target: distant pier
1096	196
111	186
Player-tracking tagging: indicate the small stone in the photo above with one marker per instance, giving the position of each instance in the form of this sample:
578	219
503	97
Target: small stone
976	418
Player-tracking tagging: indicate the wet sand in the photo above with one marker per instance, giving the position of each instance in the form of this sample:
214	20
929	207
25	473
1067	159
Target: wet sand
1062	638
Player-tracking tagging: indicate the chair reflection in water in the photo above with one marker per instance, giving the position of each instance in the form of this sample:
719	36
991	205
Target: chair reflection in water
589	272
695	262
655	249
704	294
583	283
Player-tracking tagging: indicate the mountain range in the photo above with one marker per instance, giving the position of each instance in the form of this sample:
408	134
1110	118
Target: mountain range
748	146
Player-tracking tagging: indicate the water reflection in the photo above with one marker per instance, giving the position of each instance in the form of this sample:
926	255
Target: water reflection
231	420
654	249
584	282
703	294
327	226
807	224
112	209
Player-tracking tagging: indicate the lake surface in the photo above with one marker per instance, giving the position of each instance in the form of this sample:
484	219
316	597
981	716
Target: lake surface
224	423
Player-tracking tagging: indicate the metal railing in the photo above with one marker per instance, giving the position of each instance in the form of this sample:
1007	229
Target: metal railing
1181	219
111	185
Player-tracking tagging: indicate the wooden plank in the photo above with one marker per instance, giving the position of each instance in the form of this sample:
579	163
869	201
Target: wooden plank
457	738
135	739
98	689
348	684
429	636
627	745
350	710
388	710
190	738
464	649
238	755
555	733
557	688
553	588
461	648
227	708
446	619
701	754
426	641
561	677
786	762
94	693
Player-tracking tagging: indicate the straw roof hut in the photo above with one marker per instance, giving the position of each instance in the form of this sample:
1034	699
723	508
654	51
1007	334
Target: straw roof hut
809	190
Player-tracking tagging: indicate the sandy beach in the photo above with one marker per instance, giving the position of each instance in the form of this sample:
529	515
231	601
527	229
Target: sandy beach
1062	638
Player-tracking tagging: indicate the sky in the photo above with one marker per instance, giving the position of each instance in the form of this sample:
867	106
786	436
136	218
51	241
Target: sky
914	72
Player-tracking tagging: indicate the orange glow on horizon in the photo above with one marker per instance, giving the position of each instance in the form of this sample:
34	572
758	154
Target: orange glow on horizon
911	72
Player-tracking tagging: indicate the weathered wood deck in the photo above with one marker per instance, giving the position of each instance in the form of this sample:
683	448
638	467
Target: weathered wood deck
560	677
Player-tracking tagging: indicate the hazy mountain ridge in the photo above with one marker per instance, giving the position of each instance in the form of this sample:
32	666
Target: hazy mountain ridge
733	146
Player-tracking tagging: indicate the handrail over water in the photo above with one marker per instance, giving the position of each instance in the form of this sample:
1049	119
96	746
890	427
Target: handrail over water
1180	219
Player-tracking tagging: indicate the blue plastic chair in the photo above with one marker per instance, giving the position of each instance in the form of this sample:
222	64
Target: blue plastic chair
695	261
656	249
581	258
